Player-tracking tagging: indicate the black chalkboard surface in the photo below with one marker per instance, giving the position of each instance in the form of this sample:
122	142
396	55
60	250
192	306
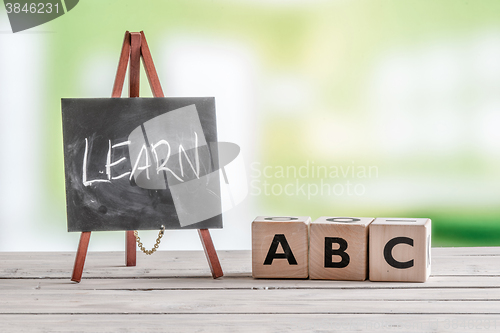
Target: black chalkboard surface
140	163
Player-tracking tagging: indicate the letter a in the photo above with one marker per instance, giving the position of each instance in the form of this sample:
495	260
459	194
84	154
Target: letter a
280	238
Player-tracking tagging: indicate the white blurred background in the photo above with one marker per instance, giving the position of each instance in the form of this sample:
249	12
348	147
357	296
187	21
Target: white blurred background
410	88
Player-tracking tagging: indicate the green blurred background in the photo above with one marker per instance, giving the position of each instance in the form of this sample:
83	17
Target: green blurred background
407	89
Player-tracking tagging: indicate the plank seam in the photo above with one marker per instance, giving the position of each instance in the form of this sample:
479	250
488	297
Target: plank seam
243	313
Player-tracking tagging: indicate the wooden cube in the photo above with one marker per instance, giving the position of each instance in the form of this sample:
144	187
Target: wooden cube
400	249
338	248
280	247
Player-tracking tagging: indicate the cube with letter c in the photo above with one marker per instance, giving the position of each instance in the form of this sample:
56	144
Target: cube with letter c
400	249
280	247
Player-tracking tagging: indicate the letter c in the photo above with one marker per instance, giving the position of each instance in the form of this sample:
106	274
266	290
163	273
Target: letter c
388	252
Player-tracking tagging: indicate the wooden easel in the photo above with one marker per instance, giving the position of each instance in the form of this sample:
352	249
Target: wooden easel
134	47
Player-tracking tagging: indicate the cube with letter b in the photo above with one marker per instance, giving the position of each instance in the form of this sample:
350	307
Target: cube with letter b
400	249
338	248
280	247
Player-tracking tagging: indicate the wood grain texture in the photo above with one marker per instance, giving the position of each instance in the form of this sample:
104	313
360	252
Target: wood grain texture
130	249
170	264
81	254
122	67
174	292
251	323
210	253
296	233
355	235
400	249
134	63
241	301
149	66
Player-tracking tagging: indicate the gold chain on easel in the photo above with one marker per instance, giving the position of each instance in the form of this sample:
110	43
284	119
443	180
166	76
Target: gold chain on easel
155	247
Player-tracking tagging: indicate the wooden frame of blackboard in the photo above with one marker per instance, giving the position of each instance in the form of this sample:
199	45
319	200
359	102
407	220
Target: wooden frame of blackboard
134	48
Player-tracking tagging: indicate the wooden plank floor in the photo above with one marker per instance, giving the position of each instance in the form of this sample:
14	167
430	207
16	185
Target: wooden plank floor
174	292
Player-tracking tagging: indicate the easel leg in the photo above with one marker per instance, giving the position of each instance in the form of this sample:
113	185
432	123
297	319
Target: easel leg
81	254
134	64
130	249
122	67
134	76
212	258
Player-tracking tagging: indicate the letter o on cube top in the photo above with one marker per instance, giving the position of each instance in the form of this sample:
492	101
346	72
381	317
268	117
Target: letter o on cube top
400	249
280	247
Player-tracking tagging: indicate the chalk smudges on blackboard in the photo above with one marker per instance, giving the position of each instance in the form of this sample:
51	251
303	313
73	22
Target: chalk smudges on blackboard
134	164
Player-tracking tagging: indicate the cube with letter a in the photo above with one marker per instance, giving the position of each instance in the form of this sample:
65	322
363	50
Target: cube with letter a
399	249
280	247
338	248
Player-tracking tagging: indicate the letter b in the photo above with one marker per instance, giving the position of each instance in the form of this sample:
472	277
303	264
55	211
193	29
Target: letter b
330	252
338	248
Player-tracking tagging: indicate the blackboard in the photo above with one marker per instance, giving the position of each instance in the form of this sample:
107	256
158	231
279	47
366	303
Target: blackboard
140	163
